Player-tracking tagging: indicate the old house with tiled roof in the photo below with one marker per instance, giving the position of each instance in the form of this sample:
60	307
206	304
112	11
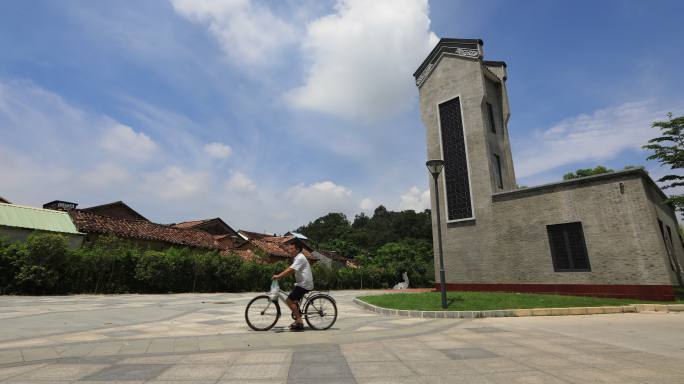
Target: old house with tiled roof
276	248
227	237
122	221
117	209
152	235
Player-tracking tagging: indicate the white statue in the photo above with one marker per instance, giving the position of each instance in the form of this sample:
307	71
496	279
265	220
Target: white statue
403	285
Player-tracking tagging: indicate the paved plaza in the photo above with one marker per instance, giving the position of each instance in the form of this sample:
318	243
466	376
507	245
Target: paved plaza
203	338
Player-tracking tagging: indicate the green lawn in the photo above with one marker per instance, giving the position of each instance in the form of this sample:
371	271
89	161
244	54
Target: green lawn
483	301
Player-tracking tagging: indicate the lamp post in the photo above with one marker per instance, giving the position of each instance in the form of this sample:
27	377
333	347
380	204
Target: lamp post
435	167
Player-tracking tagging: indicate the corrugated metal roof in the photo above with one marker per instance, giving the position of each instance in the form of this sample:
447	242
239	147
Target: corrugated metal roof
36	218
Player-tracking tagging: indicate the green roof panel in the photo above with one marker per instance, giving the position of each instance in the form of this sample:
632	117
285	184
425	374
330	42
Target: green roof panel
36	218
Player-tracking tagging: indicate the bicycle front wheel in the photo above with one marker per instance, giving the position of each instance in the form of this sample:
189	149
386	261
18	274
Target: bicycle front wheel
320	312
261	313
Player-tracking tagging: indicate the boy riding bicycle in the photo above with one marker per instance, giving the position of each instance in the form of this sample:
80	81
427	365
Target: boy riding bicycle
303	284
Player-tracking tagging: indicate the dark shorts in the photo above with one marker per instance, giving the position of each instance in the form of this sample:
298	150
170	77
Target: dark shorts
297	293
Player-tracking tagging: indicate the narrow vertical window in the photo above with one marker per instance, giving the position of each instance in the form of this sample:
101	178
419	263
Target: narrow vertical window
490	112
456	178
667	246
497	171
568	249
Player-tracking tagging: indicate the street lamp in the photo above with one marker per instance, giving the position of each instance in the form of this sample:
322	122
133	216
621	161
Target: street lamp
435	167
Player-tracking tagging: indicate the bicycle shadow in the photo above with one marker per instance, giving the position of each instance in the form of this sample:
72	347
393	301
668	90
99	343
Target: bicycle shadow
285	329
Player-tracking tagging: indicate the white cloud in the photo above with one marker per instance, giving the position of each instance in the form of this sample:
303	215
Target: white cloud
218	150
240	182
362	57
175	183
317	199
248	33
324	190
105	175
367	204
415	199
602	135
123	141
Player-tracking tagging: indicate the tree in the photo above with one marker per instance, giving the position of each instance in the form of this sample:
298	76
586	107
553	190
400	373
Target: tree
584	172
668	149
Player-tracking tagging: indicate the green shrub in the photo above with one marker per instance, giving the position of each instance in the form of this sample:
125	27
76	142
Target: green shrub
40	263
45	265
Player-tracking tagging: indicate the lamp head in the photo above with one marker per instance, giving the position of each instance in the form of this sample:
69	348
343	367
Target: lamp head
435	166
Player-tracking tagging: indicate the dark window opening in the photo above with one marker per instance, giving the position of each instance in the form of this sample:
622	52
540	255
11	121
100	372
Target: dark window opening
568	249
490	111
497	171
455	161
667	246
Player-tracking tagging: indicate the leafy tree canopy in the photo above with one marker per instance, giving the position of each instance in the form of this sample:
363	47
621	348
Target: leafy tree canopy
668	149
366	234
584	172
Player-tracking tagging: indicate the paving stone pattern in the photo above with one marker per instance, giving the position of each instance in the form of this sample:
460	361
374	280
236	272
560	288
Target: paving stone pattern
185	339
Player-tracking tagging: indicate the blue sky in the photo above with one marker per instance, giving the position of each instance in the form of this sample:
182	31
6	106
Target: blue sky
270	114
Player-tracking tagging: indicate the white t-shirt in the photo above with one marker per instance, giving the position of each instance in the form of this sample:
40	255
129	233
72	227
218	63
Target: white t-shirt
302	269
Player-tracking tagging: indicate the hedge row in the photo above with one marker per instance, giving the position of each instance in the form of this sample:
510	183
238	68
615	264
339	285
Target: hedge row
43	264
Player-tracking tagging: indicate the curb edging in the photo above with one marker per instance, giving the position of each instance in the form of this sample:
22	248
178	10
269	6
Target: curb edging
631	308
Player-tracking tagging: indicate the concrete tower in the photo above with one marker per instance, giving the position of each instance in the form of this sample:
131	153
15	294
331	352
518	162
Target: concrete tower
609	235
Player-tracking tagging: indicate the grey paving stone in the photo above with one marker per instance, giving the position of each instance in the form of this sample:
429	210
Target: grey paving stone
380	369
216	322
339	380
59	372
128	372
7	372
263	358
495	365
468	353
369	356
257	371
486	330
216	312
160	346
243	381
438	368
134	347
306	370
125	333
317	357
12	356
106	349
212	358
34	354
450	379
193	372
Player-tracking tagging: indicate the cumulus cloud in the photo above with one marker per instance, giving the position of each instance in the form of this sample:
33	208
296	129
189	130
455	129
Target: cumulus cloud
598	136
218	150
176	183
319	198
367	204
415	199
362	56
323	190
123	141
104	175
240	182
248	33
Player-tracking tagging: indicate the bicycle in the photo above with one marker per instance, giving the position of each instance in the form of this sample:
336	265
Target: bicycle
319	309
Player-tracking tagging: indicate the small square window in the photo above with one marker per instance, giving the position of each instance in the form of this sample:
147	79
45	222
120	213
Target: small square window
568	249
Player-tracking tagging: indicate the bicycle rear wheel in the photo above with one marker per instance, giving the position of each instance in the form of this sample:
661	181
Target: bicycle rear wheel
320	312
261	313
